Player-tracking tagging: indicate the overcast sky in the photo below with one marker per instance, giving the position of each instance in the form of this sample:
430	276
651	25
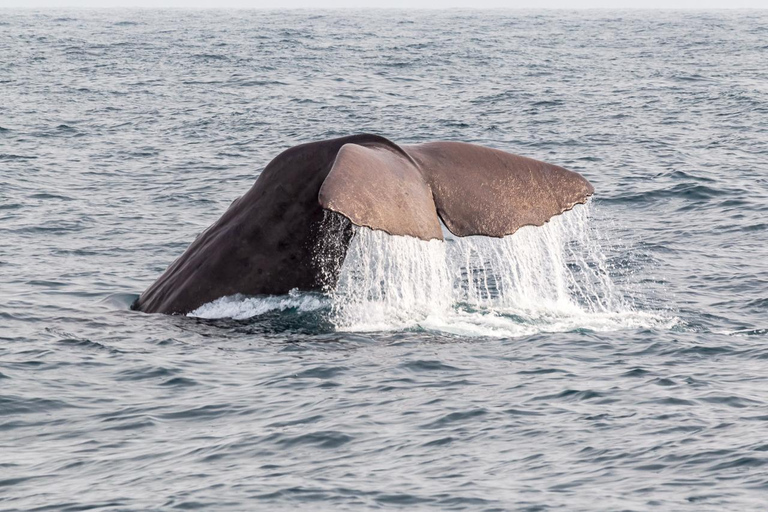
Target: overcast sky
430	4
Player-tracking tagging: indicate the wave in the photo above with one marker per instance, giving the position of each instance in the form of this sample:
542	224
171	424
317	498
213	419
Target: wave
240	307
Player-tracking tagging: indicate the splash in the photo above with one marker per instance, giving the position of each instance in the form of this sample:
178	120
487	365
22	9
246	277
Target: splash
387	281
551	278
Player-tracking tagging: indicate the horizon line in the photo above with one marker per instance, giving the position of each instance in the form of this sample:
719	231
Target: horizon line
349	8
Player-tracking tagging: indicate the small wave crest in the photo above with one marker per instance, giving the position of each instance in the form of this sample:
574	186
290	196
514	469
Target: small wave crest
240	307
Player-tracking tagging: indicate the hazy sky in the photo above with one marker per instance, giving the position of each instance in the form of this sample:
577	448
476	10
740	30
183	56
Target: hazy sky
614	4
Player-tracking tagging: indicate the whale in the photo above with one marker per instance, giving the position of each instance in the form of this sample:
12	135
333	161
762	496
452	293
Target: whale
274	238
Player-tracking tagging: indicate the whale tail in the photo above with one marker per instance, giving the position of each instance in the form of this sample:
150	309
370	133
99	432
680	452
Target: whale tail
267	241
474	190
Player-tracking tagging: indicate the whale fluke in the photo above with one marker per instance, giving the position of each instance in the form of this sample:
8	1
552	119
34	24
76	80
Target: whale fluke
484	191
266	242
473	189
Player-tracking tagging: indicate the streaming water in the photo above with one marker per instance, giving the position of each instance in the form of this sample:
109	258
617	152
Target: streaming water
553	277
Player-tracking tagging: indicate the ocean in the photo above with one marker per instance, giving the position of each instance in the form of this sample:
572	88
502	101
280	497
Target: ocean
614	359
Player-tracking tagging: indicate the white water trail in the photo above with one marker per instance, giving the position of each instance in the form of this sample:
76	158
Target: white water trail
541	279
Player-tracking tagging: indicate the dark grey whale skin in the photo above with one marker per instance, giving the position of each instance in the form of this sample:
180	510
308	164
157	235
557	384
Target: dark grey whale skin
267	241
264	242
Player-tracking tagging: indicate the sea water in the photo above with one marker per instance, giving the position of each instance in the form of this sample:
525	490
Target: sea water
615	358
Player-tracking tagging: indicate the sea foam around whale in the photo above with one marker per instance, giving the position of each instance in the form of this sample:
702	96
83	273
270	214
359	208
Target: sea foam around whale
550	278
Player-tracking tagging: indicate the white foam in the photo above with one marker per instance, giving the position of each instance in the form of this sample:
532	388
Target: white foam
240	307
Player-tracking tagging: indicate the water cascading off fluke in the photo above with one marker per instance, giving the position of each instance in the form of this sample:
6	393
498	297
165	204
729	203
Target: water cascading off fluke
540	275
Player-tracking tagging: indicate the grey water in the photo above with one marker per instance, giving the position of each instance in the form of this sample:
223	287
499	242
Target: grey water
615	359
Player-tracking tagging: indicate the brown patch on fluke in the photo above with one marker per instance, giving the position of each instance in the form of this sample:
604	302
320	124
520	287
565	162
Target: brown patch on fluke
381	188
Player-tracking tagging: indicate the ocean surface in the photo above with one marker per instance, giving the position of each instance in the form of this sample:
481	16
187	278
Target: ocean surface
614	359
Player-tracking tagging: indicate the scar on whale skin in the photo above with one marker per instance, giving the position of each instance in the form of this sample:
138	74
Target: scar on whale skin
266	242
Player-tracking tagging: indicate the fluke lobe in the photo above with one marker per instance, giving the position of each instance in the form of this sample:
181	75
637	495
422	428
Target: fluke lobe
267	242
